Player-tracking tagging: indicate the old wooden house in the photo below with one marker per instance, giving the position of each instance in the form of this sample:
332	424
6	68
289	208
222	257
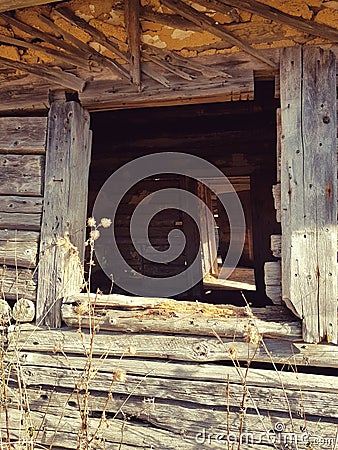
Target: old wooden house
245	361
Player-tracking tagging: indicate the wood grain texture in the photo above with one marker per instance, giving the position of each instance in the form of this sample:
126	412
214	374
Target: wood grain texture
19	221
179	347
17	283
308	189
52	75
178	317
21	174
133	27
64	212
17	204
18	248
23	135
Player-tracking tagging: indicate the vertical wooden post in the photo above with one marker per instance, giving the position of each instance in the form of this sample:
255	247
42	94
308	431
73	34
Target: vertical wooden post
65	208
208	235
308	189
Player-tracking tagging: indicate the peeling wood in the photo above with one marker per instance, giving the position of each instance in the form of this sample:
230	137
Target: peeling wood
169	316
132	23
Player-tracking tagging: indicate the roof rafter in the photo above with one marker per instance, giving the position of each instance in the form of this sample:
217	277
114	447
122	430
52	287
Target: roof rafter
65	79
208	24
110	64
269	12
57	55
112	44
132	24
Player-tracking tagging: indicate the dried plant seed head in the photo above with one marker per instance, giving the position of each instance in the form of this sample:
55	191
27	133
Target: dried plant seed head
131	350
91	222
252	335
119	375
94	235
105	223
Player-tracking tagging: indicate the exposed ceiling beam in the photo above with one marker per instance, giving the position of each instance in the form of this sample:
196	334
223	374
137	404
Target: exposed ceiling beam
8	5
208	24
65	79
261	9
114	45
132	23
110	64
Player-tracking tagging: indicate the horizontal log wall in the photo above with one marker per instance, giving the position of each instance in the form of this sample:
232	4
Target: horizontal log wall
22	149
168	391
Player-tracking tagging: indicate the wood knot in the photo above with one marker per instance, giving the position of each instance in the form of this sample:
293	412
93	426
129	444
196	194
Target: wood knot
326	119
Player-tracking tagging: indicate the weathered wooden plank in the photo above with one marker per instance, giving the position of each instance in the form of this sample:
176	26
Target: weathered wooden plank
21	175
58	76
196	426
18	248
276	245
7	5
64	432
23	134
205	393
278	143
276	192
133	27
29	95
292	380
20	221
170	318
273	278
17	283
64	215
17	204
176	347
308	189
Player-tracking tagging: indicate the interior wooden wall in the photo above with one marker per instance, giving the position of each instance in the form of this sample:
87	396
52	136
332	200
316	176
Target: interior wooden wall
240	139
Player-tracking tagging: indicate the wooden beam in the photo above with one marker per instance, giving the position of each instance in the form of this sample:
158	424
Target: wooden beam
65	79
110	64
132	24
64	214
8	5
35	33
73	60
208	24
112	44
308	189
269	12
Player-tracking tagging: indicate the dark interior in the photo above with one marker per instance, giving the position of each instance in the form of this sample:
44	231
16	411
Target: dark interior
239	138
